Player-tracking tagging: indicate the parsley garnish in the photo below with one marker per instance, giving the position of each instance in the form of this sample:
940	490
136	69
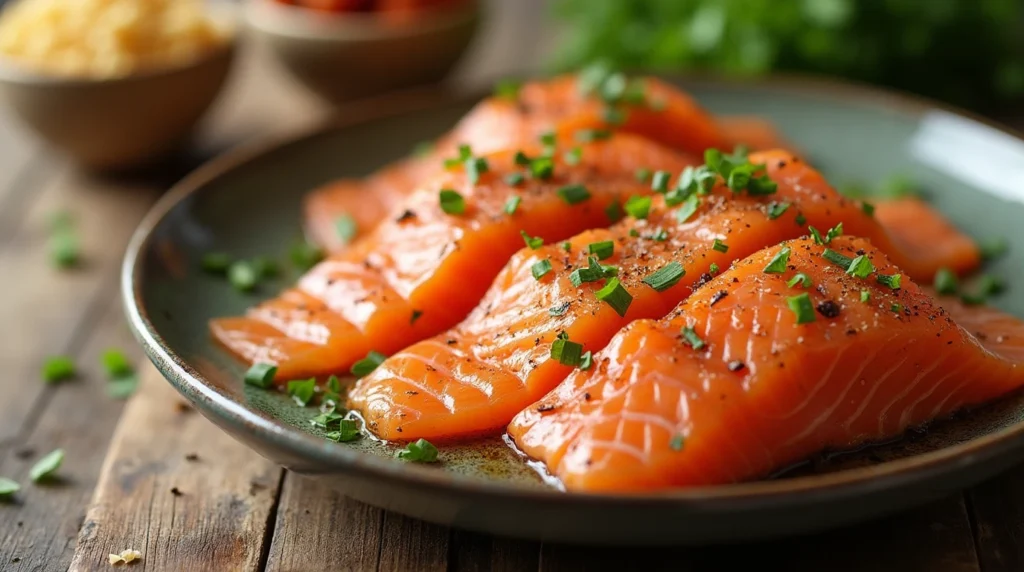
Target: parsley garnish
777	265
691	338
540	268
58	368
452	202
302	390
573	194
261	375
45	468
534	242
365	366
566	352
420	451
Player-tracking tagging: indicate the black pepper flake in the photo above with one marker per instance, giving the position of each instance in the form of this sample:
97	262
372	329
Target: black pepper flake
545	408
586	396
192	457
176	492
407	215
718	297
736	365
451	342
704	279
829	309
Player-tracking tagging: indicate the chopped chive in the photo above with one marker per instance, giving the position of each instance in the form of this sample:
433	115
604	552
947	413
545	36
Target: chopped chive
534	242
566	352
586	361
507	89
614	211
816	235
890	280
993	248
616	296
777	265
867	208
346	227
865	296
243	276
365	366
593	272
896	307
634	232
302	390
946	282
45	468
515	178
800	278
548	139
305	256
660	235
215	262
834	232
762	185
614	116
420	451
602	250
333	391
837	258
474	168
690	206
573	194
991	285
58	368
265	267
801	219
540	268
542	168
64	248
638	207
8	488
803	308
713	269
860	267
512	205
659	181
677	442
521	159
720	246
573	156
452	202
261	375
115	363
676	197
348	430
665	277
566	245
643	175
416	315
775	210
591	135
691	338
559	310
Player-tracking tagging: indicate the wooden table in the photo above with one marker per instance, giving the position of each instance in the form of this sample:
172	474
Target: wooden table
152	475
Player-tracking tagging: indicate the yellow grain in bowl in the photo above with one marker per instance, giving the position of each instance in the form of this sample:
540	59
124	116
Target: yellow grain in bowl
107	38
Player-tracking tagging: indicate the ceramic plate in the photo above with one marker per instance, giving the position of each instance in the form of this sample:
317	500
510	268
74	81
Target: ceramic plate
248	204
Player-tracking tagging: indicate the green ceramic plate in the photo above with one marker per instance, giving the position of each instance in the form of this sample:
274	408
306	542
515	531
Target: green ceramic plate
248	204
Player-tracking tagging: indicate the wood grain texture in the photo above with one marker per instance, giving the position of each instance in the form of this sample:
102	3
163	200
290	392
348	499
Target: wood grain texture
997	507
208	513
40	529
409	544
475	552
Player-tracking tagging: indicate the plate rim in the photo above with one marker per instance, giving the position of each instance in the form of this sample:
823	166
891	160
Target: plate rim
192	385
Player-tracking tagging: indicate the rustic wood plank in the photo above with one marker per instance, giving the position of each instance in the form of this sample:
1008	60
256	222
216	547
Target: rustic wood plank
998	510
319	529
410	544
40	529
472	552
208	512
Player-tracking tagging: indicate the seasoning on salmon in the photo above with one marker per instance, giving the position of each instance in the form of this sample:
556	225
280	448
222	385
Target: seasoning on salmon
418	275
822	368
574	107
474	378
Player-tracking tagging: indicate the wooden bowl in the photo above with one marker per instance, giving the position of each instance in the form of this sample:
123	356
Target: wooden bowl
347	57
118	122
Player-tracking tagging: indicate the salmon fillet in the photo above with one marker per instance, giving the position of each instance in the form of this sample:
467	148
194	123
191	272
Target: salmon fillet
931	240
659	112
423	269
474	378
734	386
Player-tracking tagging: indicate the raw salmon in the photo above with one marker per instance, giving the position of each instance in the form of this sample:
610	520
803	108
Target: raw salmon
655	110
423	269
754	372
474	378
932	240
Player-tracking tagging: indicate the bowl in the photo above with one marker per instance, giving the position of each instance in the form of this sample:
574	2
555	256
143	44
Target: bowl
346	57
116	123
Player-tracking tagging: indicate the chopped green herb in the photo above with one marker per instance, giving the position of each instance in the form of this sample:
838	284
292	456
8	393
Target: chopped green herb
416	315
713	269
638	207
573	194
762	185
566	352
865	296
659	181
868	208
542	168
801	219
946	282
816	235
548	139
261	375
643	175
116	363
474	168
123	386
602	250
45	468
326	420
559	310
586	361
593	272
540	268
566	245
365	366
860	267
775	210
573	156
834	232
302	390
691	338
64	248
803	308
590	135
346	227
676	197
348	430
512	205
993	248
521	159
507	89
665	277
465	154
452	202
837	258
515	178
8	488
58	368
677	442
892	281
614	116
616	296
720	246
534	242
690	206
423	148
634	232
420	451
265	267
305	255
777	265
332	391
660	235
243	276
896	307
215	262
614	212
800	278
